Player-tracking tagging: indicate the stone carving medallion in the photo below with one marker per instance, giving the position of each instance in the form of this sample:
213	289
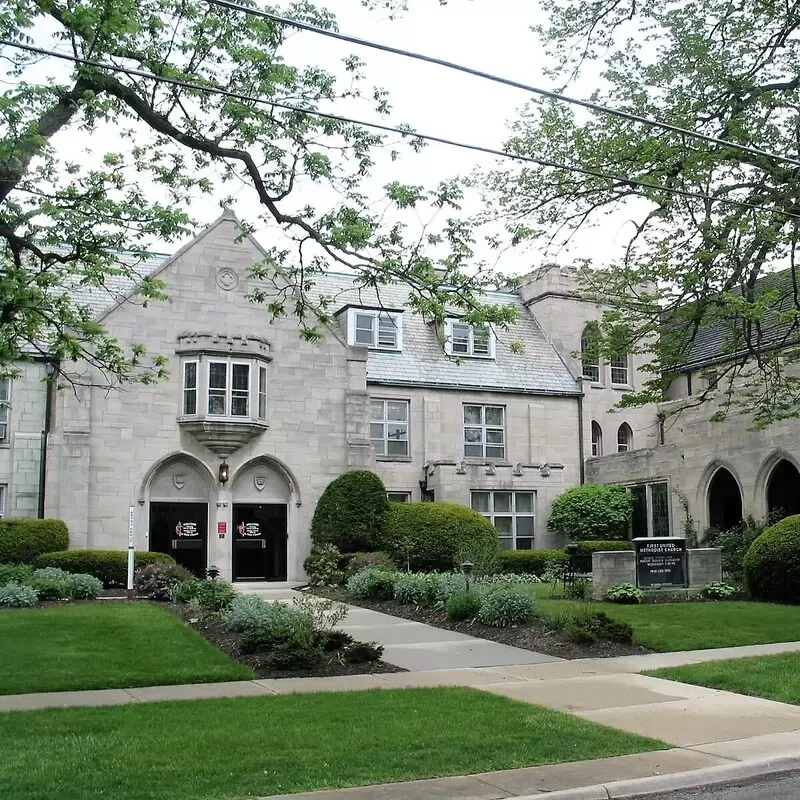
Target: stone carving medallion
179	480
260	481
227	279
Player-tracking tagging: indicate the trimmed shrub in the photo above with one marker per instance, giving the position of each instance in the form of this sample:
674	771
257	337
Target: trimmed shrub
22	540
506	606
351	513
362	652
772	564
324	566
373	583
84	587
534	562
593	511
16	573
483	554
463	605
110	566
157	581
15	595
428	536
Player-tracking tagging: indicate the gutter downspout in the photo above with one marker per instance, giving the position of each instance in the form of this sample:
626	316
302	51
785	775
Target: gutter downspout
580	441
48	412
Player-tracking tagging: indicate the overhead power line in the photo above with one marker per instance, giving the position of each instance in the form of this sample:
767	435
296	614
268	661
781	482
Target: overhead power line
633	183
615	112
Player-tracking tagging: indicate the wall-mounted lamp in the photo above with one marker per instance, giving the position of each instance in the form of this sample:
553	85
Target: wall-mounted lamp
223	472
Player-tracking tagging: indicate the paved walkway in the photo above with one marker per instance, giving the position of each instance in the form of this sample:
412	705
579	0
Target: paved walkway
415	646
711	733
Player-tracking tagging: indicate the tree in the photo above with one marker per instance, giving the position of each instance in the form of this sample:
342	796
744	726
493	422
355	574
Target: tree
214	106
592	512
726	70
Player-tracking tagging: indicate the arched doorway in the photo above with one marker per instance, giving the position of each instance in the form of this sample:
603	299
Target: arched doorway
783	490
261	493
178	492
724	501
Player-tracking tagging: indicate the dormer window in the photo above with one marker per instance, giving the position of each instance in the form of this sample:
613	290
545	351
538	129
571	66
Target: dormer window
378	330
463	339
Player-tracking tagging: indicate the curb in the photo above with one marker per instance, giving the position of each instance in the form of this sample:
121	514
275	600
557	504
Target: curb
658	784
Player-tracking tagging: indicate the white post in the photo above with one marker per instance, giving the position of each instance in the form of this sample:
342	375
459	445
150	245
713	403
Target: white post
130	553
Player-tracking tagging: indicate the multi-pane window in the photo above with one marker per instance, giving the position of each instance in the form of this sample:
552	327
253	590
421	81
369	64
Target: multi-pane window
624	438
484	432
399	497
262	392
190	387
464	339
3	492
590	354
650	516
376	329
388	427
512	513
5	397
619	370
228	389
597	439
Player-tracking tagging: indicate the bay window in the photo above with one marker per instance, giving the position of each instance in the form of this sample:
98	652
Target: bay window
226	388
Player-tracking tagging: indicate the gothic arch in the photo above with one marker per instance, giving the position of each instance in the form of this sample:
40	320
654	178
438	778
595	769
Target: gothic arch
762	483
177	457
274	464
778	484
724	499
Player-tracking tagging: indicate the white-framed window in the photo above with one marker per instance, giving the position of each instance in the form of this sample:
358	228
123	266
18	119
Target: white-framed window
619	370
463	339
379	330
5	400
597	439
590	354
399	497
262	392
190	388
624	438
228	388
650	515
512	513
388	427
484	432
3	493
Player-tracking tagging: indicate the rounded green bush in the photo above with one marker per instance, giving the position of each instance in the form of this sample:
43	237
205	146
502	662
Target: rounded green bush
594	511
772	564
429	536
110	566
373	583
464	605
351	513
22	540
15	595
506	606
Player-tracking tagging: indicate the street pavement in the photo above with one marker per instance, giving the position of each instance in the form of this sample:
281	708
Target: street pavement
773	787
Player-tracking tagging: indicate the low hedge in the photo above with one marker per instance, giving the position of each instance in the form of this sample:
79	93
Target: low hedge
110	566
429	536
22	539
529	561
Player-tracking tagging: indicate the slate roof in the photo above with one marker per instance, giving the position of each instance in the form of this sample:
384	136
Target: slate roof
717	340
538	369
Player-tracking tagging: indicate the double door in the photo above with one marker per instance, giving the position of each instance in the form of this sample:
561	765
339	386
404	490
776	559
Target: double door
259	542
181	531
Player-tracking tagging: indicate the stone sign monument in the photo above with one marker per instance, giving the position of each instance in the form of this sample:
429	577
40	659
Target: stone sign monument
660	562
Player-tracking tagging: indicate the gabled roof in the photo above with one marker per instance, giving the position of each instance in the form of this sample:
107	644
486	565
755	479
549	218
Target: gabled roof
538	369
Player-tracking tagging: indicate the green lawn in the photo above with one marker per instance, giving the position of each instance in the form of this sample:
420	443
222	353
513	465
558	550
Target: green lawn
222	749
104	646
694	626
773	677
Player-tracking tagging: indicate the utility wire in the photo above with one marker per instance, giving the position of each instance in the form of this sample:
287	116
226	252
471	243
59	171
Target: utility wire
615	112
406	132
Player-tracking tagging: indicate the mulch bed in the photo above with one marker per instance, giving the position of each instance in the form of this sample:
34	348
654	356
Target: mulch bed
211	629
528	637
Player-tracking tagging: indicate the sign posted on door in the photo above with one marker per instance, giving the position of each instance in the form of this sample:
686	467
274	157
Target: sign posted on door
660	562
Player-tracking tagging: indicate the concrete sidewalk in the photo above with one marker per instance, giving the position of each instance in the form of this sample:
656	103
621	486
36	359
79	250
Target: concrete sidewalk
416	646
712	733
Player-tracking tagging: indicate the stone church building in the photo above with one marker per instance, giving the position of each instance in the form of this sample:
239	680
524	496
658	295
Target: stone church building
223	462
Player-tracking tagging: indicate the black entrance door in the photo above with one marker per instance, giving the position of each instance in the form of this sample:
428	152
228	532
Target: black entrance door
180	530
259	542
